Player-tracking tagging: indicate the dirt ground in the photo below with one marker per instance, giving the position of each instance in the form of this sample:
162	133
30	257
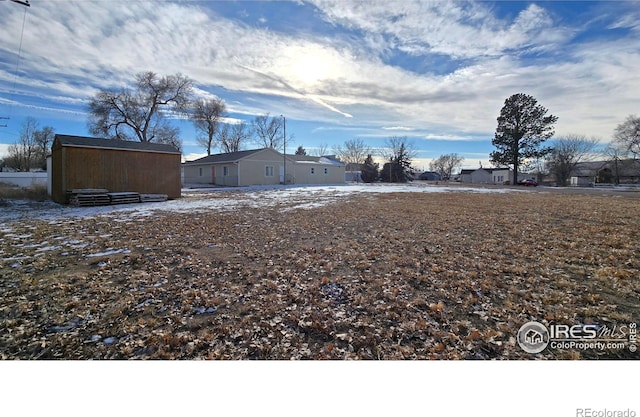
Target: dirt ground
373	276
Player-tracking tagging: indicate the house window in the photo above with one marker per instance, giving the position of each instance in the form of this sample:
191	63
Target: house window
268	171
313	170
200	171
326	171
225	171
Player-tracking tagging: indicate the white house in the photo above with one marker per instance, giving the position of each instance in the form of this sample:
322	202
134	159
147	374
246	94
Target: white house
262	167
499	176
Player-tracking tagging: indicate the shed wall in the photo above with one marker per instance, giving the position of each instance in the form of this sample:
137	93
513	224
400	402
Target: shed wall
114	170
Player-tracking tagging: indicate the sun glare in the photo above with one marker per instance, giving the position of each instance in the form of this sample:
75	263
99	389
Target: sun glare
309	68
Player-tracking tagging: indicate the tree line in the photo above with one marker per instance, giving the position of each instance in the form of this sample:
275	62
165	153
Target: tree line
141	113
524	126
31	150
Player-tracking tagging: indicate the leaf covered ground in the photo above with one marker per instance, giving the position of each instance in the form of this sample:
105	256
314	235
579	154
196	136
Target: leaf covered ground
449	275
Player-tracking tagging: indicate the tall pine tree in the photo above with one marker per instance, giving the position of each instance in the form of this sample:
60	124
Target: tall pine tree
522	128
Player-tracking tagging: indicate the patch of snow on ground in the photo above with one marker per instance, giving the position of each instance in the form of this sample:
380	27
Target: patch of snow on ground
223	199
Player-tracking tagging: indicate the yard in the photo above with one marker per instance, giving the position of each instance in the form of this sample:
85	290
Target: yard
356	272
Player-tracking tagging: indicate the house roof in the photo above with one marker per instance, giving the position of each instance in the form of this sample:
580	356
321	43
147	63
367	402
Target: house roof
488	170
322	160
237	156
101	143
625	167
225	157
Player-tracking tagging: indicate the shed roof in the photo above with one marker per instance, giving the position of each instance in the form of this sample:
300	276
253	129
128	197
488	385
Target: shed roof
90	142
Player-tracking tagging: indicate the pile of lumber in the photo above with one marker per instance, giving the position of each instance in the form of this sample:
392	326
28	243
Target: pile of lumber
153	198
88	197
124	198
84	197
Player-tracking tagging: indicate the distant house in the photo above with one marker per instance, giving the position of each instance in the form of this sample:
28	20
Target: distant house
317	169
79	162
353	172
465	175
626	171
264	166
499	176
429	176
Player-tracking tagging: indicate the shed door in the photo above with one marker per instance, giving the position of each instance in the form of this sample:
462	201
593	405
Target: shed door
282	174
213	174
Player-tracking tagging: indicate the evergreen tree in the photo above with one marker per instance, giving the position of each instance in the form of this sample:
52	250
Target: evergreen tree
398	169
301	150
369	170
522	128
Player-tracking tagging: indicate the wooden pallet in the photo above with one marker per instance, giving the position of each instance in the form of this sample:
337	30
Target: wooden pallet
89	200
87	191
124	198
153	198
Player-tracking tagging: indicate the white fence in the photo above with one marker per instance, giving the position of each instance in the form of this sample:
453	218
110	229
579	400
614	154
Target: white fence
24	179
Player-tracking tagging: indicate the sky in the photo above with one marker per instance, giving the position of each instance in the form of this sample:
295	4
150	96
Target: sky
435	72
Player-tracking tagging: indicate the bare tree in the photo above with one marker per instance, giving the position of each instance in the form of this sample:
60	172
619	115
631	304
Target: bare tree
269	131
44	139
32	148
321	149
206	116
616	156
566	152
139	114
353	152
445	164
232	136
627	135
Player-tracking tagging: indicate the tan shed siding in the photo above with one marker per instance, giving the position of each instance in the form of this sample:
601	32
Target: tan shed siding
114	170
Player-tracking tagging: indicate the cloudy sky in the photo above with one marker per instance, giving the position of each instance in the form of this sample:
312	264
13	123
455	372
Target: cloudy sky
436	72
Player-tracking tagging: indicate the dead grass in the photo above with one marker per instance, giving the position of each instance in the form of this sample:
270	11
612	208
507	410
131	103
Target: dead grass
13	192
389	276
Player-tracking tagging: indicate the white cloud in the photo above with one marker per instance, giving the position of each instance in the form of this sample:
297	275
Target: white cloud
458	29
92	45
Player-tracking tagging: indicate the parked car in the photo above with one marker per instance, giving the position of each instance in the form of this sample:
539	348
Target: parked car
528	183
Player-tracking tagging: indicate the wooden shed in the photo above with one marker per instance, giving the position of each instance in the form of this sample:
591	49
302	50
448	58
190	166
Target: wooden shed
79	162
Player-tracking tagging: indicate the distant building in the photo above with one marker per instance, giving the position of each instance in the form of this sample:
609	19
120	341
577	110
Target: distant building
623	171
264	166
429	176
498	176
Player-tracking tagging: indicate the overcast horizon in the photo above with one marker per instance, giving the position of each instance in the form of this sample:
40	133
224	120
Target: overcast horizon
436	72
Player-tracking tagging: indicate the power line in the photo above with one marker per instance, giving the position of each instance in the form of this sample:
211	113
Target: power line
24	3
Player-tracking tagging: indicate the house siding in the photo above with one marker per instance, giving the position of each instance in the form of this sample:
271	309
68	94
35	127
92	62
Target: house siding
250	168
303	173
254	171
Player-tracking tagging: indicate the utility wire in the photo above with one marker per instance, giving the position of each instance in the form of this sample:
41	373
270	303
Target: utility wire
15	76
